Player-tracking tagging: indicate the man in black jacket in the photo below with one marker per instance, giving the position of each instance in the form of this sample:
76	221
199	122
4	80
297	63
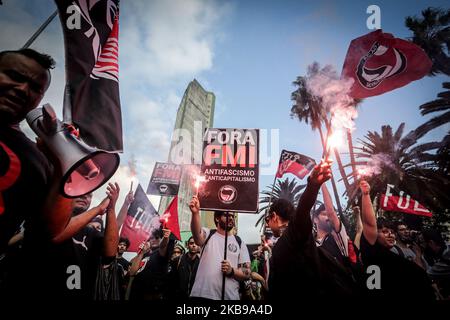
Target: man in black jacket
298	268
184	270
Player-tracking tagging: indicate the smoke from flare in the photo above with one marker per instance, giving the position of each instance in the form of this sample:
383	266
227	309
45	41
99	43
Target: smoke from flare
334	95
375	165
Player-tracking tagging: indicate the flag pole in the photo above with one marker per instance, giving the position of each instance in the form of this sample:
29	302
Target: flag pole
39	31
225	254
325	155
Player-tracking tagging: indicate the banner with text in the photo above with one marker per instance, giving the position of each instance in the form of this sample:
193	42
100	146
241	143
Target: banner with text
165	179
230	168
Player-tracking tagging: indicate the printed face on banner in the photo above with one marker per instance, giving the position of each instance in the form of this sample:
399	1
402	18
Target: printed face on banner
231	170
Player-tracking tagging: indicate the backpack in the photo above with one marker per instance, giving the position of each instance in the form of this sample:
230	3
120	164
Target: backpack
211	233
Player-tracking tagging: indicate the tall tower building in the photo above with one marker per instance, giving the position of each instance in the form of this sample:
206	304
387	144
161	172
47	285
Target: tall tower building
195	113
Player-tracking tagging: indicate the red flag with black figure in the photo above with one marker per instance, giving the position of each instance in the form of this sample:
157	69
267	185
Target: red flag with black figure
295	163
378	63
141	220
91	100
170	218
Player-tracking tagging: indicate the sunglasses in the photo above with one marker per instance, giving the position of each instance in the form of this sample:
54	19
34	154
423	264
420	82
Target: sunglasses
229	215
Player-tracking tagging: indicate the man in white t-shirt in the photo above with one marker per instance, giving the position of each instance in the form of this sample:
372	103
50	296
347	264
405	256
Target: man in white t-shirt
212	266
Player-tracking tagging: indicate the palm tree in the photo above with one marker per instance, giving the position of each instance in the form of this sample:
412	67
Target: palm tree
286	189
409	166
438	105
442	104
432	33
309	109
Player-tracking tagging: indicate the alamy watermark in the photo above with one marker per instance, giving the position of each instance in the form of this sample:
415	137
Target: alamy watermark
373	22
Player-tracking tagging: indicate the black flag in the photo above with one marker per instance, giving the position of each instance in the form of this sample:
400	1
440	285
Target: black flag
141	220
91	101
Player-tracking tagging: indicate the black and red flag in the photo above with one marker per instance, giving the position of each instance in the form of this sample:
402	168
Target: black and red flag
91	102
141	220
170	218
378	62
295	163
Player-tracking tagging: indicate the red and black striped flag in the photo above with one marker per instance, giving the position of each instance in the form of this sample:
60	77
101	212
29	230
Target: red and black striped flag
91	101
295	163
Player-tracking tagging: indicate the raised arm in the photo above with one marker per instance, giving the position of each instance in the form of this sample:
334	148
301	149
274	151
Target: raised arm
368	218
332	216
78	222
124	209
359	226
302	220
164	243
111	239
196	224
136	261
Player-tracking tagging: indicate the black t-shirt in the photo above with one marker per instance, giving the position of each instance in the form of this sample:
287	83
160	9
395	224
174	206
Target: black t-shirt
83	250
298	268
400	278
329	244
124	263
152	282
24	173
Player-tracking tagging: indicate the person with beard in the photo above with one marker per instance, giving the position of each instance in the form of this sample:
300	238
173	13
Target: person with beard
330	232
212	267
403	242
399	277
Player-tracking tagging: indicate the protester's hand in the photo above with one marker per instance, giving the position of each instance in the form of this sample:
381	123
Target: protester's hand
321	172
166	233
263	238
194	205
226	267
365	187
144	247
113	191
129	198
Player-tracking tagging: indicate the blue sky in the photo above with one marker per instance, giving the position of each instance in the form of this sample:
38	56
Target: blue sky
246	52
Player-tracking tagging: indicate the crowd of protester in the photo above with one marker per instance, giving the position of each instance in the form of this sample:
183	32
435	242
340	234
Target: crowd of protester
73	250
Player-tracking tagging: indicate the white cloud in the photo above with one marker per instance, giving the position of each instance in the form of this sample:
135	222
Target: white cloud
169	39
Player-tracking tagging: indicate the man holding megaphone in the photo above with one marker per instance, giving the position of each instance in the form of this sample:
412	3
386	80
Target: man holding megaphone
29	180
